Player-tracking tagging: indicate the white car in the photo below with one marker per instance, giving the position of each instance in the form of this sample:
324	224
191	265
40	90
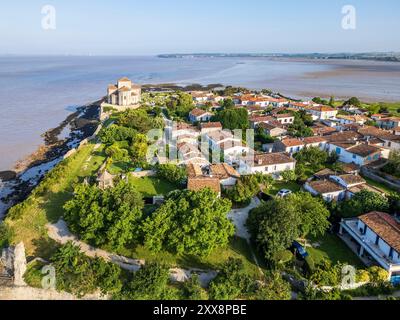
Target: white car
284	193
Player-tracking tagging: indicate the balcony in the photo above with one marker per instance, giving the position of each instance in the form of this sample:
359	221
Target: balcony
350	225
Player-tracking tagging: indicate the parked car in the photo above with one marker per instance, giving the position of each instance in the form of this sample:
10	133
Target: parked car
299	249
284	193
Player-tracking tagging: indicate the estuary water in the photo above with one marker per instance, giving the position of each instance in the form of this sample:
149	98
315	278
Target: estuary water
38	92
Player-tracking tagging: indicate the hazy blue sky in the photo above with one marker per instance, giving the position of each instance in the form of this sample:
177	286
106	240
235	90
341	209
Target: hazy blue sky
169	26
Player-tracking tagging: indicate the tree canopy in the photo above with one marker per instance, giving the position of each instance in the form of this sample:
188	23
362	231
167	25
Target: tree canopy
363	202
105	217
233	118
189	222
276	224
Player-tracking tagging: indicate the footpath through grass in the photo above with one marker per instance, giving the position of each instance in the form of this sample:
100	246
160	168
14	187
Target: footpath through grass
28	220
330	247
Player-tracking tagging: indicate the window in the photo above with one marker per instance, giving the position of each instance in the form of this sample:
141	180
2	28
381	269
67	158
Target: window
354	156
391	253
266	169
338	150
377	240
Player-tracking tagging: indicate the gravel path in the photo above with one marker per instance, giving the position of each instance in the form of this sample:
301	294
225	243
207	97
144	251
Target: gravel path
60	233
239	218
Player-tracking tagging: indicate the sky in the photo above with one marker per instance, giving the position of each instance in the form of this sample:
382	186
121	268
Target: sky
133	27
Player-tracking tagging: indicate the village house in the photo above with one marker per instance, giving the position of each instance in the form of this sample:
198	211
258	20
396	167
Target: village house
268	163
201	96
226	174
273	128
183	129
348	180
289	145
189	153
355	152
125	94
256	120
286	118
322	112
225	143
200	183
375	237
327	189
208	127
318	142
199	115
388	123
320	129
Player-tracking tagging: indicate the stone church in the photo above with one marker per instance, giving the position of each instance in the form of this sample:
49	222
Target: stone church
125	93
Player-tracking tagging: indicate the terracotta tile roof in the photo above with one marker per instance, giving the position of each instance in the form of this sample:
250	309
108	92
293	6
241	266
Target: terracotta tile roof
385	226
217	136
325	186
350	179
324	173
199	183
292	142
124	89
198	112
208	125
363	150
311	140
364	187
349	167
261	118
193	170
223	171
344	136
266	159
271	125
285	115
323	130
183	126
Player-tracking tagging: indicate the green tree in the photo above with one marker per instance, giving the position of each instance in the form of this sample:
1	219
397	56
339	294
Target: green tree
288	176
172	173
353	102
189	222
248	186
313	212
363	202
274	288
150	282
108	216
312	157
231	282
192	289
233	118
273	226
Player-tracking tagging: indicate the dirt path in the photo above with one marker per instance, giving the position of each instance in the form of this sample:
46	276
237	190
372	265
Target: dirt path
60	233
29	293
239	218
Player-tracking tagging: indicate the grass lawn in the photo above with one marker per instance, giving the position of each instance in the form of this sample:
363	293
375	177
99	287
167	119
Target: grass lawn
332	248
152	186
45	204
238	248
384	188
279	185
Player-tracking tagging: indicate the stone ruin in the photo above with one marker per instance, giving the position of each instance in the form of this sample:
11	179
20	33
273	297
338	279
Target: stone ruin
13	266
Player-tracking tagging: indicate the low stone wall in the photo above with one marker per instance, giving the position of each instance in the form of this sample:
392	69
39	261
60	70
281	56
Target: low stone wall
142	174
371	175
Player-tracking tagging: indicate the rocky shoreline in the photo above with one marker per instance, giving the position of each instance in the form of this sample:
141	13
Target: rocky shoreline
17	184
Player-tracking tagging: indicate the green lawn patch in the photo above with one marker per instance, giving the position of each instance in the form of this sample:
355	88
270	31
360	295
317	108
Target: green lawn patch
333	249
238	248
45	204
383	187
152	186
279	185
